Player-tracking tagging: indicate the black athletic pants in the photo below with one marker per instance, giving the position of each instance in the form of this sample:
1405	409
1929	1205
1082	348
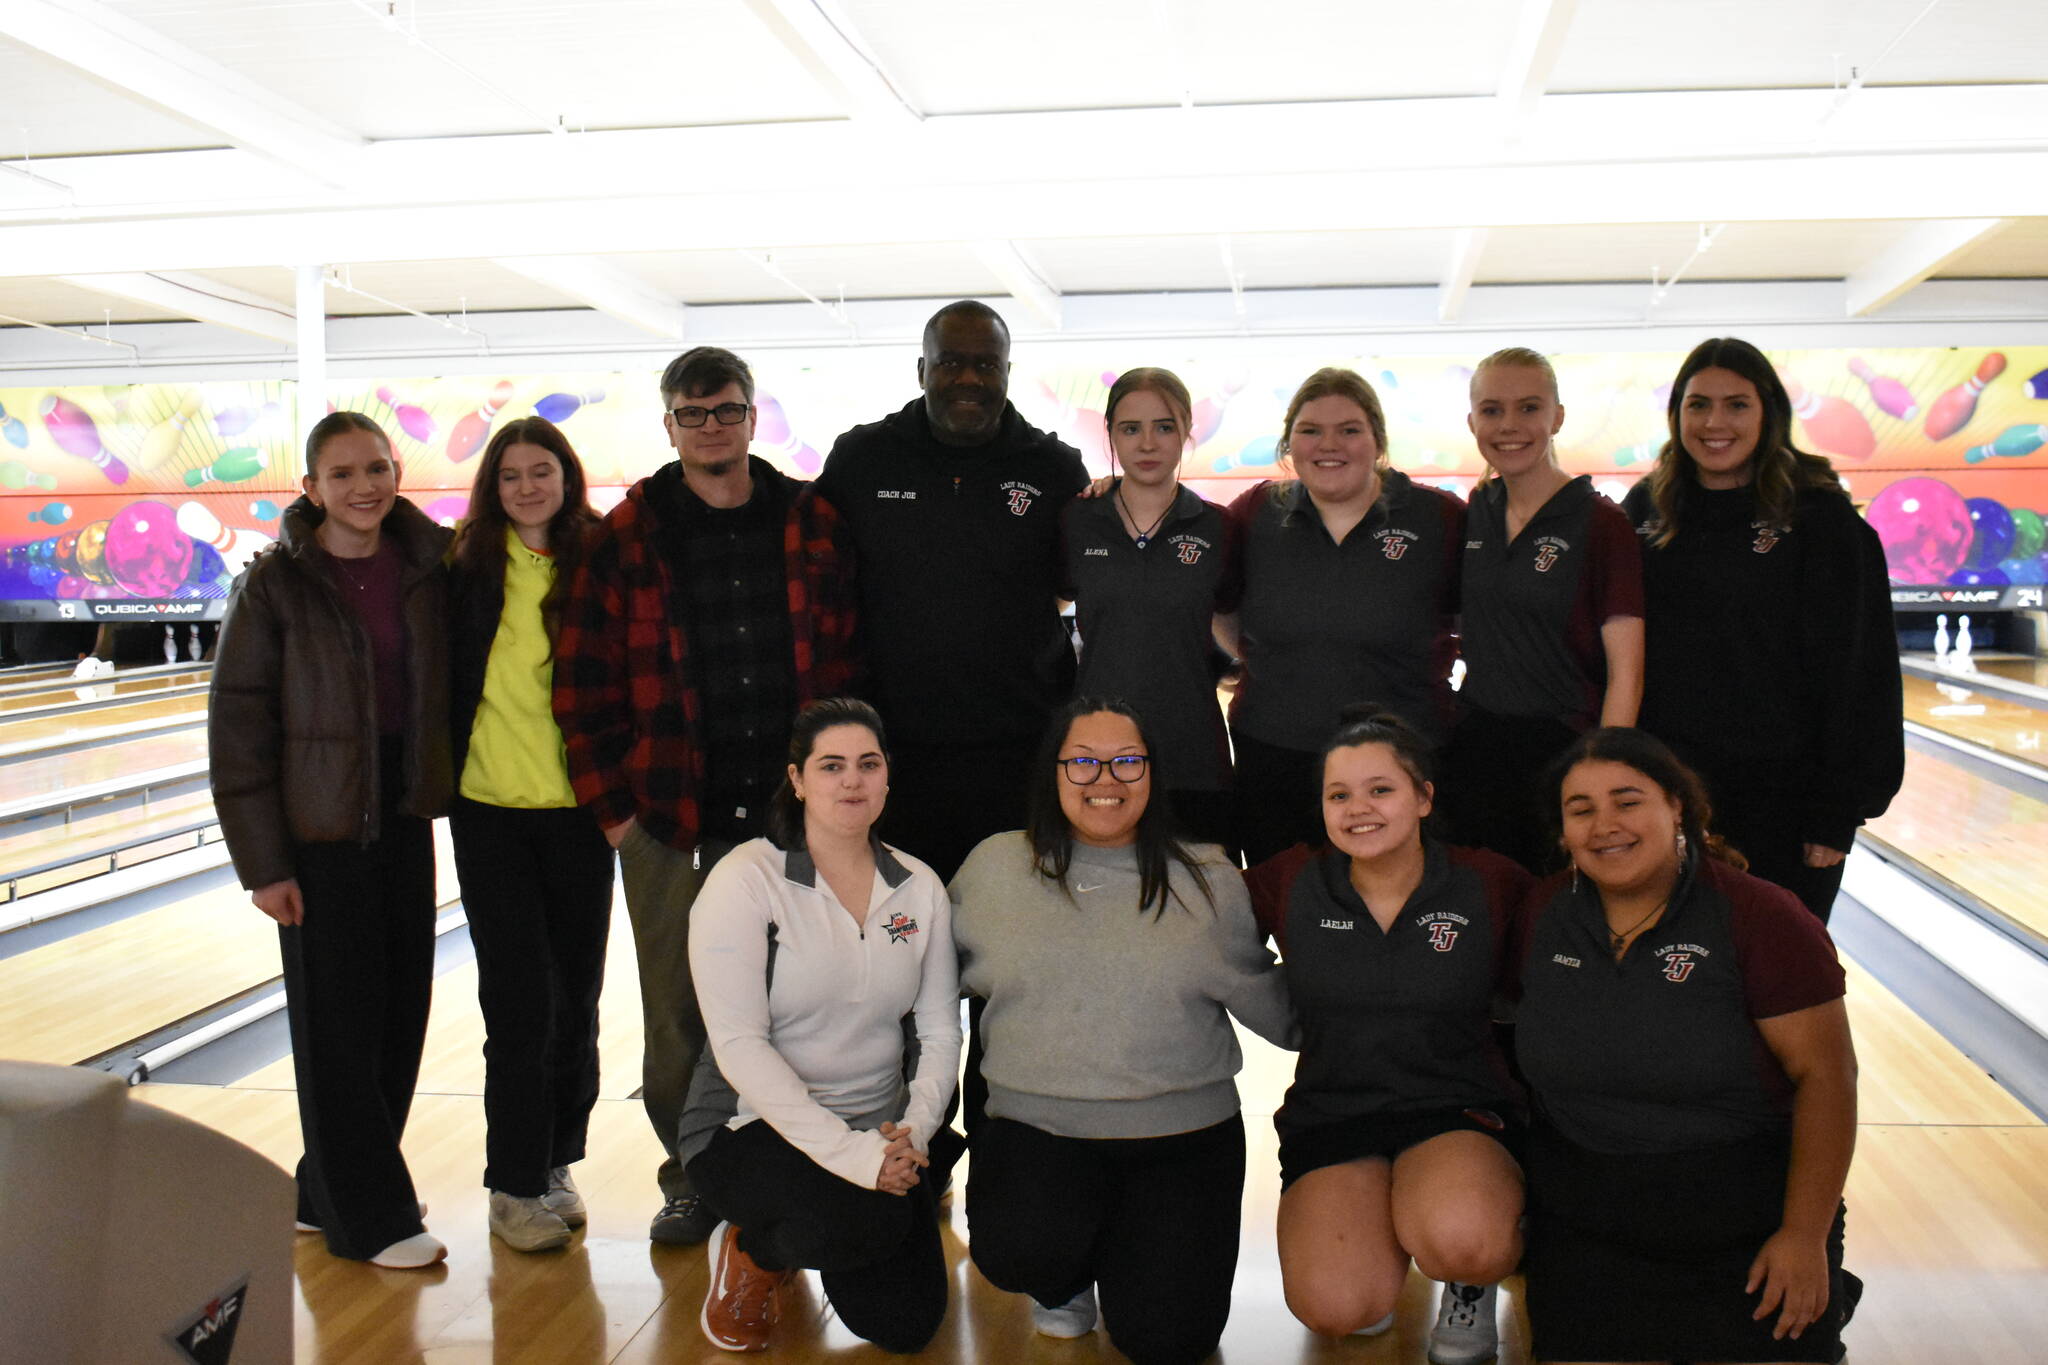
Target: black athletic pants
537	887
878	1254
1490	787
944	801
1152	1223
358	976
1765	826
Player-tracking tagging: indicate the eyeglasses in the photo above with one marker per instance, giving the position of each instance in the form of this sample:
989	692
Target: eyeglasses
728	415
1085	772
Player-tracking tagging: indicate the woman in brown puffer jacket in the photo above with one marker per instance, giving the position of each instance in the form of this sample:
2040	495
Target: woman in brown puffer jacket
328	733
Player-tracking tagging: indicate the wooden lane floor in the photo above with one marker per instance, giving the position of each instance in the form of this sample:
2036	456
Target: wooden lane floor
83	996
116	688
1994	720
30	735
1948	1225
25	779
1987	839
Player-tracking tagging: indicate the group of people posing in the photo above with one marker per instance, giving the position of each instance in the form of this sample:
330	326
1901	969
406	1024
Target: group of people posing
1545	1019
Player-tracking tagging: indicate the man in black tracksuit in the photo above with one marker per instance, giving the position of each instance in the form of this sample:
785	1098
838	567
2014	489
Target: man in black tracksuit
954	504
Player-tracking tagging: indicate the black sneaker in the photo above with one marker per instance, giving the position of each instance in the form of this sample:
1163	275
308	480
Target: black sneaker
682	1222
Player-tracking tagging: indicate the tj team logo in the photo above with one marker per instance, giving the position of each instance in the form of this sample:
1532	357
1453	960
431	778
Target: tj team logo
1394	543
900	928
1442	935
1020	497
1678	966
1548	550
1767	535
1189	552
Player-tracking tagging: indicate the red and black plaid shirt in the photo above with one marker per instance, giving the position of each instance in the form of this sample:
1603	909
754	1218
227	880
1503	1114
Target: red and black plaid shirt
629	713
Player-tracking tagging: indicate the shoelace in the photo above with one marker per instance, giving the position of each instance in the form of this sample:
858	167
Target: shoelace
1464	1309
751	1300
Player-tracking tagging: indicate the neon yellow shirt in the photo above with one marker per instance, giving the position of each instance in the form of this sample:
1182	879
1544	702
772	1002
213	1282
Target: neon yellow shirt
515	748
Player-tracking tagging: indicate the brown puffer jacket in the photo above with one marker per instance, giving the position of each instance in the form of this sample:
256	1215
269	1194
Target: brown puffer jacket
292	715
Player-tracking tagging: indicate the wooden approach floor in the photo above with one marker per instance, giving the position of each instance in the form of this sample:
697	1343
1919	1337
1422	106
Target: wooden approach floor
1948	1226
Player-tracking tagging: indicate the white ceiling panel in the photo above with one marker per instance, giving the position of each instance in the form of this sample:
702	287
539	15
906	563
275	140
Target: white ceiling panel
951	57
2019	252
1742	251
1283	260
66	305
50	109
1757	44
866	273
596	63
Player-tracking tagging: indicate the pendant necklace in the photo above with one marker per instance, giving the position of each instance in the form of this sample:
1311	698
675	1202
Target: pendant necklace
1144	536
1616	941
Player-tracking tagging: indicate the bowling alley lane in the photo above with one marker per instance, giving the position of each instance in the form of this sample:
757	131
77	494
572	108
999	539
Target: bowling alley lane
34	734
67	692
1995	720
23	779
1983	837
2032	671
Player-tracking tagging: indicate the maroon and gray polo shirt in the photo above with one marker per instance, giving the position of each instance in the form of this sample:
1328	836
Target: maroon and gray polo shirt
1397	1021
1144	615
1534	605
1327	624
1660	1052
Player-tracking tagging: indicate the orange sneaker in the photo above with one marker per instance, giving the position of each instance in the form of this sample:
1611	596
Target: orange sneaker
744	1301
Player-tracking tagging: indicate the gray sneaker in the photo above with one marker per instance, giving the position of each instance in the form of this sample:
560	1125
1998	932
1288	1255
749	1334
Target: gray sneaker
525	1223
1465	1332
563	1200
682	1222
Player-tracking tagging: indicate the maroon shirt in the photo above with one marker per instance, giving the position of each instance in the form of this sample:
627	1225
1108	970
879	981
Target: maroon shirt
371	587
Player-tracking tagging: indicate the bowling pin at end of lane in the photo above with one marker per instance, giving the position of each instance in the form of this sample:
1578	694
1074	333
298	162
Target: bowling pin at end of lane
1941	640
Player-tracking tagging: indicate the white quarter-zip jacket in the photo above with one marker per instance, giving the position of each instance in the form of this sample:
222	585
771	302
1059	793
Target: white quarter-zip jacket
803	1006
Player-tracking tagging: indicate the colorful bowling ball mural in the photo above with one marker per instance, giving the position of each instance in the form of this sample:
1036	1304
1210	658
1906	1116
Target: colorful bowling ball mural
1925	527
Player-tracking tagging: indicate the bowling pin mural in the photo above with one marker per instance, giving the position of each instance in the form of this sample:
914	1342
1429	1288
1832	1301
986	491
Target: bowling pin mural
235	546
774	439
263	509
560	407
2037	387
1832	424
412	420
2013	443
12	429
232	422
1953	410
15	474
166	436
468	437
234	466
1892	398
448	511
1642	452
72	428
51	514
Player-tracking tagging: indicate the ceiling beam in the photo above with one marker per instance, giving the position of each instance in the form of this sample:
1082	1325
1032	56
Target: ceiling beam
1023	282
1912	256
608	288
1466	249
907	210
828	48
1533	51
141	63
198	298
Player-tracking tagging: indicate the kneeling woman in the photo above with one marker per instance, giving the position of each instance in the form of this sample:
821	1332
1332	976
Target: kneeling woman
1112	957
1682	1028
1395	1136
808	948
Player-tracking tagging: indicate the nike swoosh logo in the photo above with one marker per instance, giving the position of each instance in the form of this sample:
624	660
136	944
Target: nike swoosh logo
1090	888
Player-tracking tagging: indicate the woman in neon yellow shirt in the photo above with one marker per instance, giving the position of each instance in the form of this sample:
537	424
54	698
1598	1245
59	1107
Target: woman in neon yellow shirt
536	872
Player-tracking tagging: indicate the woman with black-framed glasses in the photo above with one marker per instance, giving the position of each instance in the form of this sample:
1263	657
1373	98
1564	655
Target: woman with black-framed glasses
1112	957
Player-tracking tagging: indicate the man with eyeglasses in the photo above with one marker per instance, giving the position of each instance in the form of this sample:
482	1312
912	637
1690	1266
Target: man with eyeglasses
715	600
954	505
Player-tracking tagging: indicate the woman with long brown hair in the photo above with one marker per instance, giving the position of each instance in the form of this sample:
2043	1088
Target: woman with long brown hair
1770	662
536	872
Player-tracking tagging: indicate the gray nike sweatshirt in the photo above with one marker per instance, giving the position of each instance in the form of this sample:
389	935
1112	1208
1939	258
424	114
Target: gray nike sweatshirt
1105	1021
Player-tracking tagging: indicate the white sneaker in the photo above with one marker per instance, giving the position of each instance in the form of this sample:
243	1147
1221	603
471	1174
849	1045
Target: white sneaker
563	1200
1466	1332
1377	1329
526	1223
1074	1318
416	1252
